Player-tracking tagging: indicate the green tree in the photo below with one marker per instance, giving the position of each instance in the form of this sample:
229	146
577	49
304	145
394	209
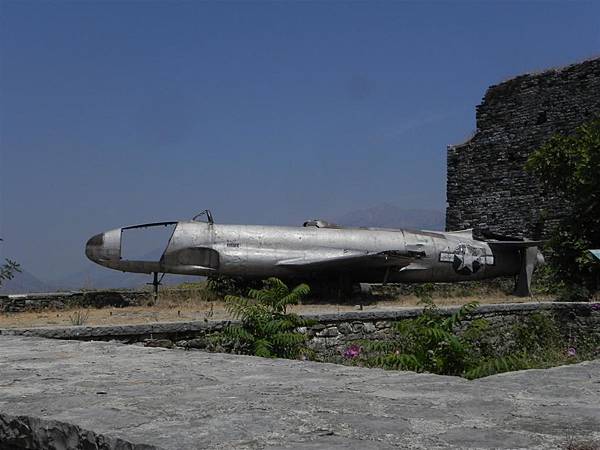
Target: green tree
8	269
569	166
267	329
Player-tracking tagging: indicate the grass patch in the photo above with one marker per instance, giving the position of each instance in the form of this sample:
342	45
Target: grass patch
79	317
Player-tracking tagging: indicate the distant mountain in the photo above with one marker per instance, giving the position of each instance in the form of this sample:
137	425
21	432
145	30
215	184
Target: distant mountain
97	277
24	282
94	276
387	215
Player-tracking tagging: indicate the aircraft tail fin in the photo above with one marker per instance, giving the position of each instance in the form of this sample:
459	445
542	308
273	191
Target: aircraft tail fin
530	256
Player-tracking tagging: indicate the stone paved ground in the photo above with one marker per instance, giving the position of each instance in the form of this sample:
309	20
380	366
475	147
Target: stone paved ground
174	399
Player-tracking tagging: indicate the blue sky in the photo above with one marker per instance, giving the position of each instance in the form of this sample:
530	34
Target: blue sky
118	113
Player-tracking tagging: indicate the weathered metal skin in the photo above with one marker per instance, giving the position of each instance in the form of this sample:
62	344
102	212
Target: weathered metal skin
358	255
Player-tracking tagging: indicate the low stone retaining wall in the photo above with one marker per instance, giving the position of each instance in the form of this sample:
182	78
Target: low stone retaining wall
27	432
332	333
62	300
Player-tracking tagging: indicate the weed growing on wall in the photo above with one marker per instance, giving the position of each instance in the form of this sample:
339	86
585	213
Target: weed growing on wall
267	328
472	349
427	343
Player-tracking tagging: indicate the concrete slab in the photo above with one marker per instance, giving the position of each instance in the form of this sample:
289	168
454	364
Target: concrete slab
72	394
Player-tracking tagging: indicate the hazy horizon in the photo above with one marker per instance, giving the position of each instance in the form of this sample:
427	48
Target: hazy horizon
116	113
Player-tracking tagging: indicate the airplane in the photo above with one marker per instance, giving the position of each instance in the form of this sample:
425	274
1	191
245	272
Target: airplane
319	250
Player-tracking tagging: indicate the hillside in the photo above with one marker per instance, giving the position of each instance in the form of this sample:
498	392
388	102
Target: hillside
25	282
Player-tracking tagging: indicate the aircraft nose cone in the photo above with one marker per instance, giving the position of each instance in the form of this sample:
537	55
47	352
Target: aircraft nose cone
104	247
93	247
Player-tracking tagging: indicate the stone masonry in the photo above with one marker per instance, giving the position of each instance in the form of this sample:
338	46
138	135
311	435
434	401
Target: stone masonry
81	299
331	334
487	186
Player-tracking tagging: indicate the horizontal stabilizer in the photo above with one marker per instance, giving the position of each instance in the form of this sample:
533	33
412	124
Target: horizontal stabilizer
504	241
514	244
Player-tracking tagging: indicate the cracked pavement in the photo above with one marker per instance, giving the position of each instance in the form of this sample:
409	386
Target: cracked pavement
175	399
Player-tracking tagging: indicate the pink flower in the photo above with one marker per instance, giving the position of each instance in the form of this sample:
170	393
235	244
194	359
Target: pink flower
571	352
352	352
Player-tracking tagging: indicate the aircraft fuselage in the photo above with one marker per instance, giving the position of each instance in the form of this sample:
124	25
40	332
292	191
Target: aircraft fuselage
362	255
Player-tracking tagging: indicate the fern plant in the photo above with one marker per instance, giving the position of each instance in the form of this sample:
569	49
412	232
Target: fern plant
267	328
438	344
496	365
427	343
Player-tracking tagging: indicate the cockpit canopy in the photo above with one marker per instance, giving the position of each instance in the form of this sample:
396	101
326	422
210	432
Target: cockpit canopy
319	223
204	216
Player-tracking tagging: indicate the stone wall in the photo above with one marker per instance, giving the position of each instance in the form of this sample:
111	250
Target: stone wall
486	185
61	300
333	333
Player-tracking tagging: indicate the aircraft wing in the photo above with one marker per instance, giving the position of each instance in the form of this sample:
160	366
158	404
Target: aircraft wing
390	258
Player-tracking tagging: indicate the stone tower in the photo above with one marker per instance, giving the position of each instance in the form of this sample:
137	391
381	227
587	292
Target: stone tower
487	186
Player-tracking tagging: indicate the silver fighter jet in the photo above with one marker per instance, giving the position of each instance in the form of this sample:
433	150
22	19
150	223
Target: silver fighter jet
320	250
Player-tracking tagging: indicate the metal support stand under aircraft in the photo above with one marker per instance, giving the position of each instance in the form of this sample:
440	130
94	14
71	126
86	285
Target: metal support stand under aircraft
155	283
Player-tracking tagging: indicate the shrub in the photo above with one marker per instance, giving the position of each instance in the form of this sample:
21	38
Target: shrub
444	345
79	317
427	343
568	166
222	285
267	329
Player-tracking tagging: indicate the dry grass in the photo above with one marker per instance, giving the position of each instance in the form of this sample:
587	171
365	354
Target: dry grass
188	306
